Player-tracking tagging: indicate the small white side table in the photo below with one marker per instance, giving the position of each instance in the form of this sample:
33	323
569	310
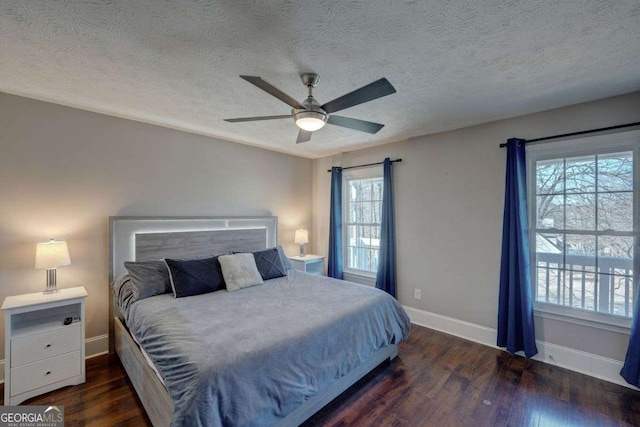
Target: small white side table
312	264
42	353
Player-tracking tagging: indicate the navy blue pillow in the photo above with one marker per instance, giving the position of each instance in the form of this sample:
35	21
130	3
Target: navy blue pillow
149	278
269	264
195	277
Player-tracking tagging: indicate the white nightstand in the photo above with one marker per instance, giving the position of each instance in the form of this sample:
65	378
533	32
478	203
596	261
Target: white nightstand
41	352
313	264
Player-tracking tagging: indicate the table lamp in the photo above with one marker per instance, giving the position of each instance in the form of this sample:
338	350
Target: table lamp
301	237
49	256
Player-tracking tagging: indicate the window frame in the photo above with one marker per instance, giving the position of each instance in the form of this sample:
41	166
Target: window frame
368	172
575	147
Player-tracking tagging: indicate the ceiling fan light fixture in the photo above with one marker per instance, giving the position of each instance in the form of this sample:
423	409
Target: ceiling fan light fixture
310	120
310	116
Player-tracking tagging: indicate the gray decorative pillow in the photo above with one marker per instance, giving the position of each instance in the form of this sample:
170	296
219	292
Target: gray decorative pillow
239	271
269	264
285	259
149	278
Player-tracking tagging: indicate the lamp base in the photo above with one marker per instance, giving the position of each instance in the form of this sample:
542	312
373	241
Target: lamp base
52	288
302	250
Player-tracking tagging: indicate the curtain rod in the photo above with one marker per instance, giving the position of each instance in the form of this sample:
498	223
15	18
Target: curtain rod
526	141
368	164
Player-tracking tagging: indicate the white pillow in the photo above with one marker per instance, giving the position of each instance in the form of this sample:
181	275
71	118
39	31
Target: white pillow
239	271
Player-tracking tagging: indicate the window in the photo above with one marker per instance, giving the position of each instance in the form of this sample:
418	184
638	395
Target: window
362	198
584	225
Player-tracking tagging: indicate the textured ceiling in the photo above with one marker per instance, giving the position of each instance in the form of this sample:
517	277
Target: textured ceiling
453	63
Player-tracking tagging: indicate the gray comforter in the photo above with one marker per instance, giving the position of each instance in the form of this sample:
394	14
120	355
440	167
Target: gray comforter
252	356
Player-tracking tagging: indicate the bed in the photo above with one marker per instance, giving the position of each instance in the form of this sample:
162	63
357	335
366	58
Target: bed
266	355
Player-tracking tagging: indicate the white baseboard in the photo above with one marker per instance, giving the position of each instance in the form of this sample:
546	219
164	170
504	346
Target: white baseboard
94	346
564	357
451	326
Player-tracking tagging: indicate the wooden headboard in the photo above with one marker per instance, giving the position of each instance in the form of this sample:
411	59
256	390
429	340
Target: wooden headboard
153	238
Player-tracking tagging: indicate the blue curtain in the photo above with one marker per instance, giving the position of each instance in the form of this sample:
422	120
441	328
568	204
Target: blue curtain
631	369
334	268
515	306
386	276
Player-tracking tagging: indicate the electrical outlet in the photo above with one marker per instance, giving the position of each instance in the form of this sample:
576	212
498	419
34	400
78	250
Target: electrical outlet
417	294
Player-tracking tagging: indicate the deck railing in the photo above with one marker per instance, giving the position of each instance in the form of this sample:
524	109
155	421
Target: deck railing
570	280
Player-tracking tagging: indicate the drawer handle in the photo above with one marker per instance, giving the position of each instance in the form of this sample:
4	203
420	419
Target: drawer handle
48	372
47	346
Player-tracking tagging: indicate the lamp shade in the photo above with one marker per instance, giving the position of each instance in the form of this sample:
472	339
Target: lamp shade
302	236
52	254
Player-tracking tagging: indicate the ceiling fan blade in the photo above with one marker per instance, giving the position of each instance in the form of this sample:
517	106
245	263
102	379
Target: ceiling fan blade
367	93
355	124
303	136
254	119
272	90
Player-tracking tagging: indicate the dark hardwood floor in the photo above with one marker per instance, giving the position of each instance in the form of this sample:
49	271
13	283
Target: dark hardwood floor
438	380
107	398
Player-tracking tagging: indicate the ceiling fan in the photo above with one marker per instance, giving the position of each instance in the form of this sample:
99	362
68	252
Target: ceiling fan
310	116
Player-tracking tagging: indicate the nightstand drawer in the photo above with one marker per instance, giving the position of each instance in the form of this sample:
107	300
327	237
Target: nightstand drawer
45	372
36	347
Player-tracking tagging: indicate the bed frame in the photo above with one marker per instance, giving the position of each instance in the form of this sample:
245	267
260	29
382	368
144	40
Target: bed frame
153	238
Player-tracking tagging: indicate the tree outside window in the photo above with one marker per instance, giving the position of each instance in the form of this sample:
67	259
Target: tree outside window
584	233
362	223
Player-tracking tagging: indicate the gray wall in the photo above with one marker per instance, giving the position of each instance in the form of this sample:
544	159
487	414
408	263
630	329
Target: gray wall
449	202
64	171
